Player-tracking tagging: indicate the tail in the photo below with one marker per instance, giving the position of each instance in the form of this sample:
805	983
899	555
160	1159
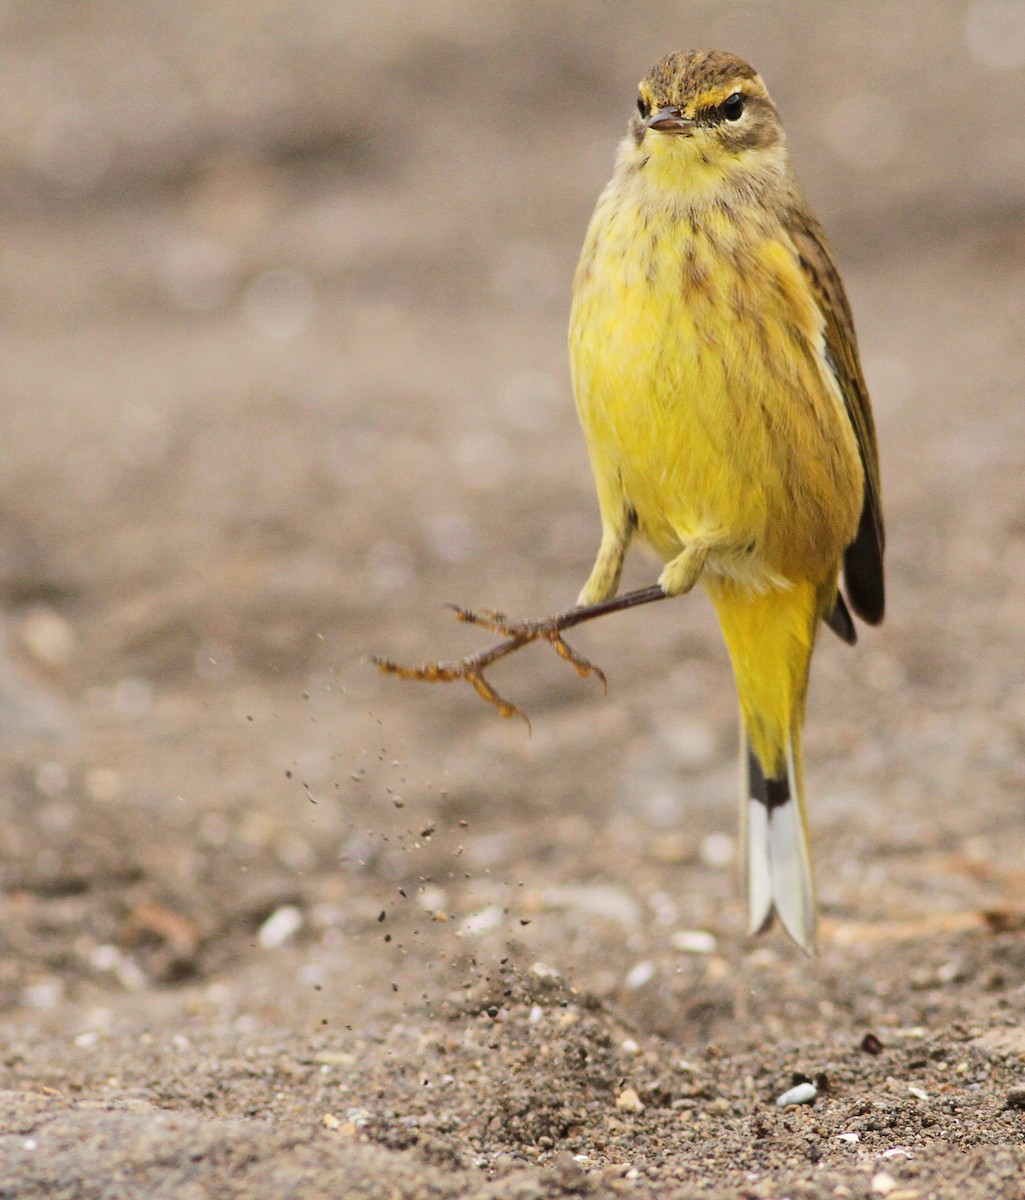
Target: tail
777	854
770	636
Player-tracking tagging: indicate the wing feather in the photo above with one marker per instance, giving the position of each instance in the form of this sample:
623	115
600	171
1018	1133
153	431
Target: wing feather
863	558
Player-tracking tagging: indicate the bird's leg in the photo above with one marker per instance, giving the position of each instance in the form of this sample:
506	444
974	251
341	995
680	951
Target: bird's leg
681	573
608	566
516	635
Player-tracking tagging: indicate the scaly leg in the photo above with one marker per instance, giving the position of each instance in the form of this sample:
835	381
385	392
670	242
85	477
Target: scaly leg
518	634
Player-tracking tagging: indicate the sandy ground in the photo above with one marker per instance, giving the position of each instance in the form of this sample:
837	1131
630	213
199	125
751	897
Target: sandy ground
284	298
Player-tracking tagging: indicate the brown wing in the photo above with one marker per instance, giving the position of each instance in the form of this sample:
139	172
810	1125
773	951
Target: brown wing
863	558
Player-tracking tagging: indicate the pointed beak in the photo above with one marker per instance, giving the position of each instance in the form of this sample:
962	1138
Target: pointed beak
670	120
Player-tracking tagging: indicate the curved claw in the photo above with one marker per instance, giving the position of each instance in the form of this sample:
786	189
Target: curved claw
584	667
468	669
486	618
505	707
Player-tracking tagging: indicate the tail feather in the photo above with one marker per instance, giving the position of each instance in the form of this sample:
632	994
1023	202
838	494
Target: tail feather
777	856
771	636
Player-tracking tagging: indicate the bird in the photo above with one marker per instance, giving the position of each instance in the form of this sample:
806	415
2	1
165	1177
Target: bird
718	384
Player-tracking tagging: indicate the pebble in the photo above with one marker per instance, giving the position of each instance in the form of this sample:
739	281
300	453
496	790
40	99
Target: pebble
482	922
883	1183
1015	1098
283	923
629	1101
46	993
639	975
693	941
718	850
803	1093
871	1044
48	638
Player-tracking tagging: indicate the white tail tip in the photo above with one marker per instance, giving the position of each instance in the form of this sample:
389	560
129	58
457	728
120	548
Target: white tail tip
779	876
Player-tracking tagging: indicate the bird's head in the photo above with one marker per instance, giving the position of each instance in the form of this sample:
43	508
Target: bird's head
705	119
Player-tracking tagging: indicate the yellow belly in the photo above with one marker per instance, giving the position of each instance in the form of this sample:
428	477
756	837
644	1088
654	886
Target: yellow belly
704	395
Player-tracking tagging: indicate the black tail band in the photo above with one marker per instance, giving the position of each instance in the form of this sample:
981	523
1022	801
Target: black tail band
772	792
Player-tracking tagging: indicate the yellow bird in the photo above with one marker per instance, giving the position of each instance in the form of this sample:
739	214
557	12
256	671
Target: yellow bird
717	379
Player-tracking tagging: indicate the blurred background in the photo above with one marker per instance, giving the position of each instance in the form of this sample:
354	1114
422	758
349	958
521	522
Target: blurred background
283	296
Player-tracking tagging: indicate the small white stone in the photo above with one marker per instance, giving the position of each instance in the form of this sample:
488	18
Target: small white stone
803	1093
851	1139
47	637
638	976
718	850
629	1046
918	1093
883	1183
47	993
693	941
485	921
432	899
104	958
283	923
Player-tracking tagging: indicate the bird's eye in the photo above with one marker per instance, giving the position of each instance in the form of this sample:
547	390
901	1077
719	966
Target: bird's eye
643	107
733	107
